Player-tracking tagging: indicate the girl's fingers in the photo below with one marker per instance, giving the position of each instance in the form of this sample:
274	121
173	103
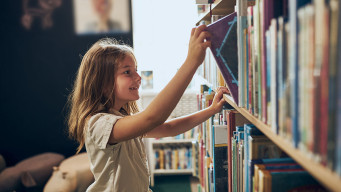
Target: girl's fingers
207	44
192	32
199	29
205	35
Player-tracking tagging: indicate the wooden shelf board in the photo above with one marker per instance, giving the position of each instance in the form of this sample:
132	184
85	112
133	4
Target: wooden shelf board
327	178
173	171
219	7
172	141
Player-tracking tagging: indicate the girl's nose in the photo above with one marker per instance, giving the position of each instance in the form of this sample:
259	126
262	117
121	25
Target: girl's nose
138	77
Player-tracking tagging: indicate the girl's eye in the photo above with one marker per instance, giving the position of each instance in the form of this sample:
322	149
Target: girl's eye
126	72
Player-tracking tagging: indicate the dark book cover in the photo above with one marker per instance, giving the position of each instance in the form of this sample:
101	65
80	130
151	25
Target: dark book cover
220	167
225	52
288	180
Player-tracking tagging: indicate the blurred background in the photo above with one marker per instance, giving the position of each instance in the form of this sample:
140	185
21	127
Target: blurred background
41	49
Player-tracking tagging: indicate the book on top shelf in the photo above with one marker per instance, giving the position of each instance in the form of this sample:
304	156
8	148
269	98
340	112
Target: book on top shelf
224	49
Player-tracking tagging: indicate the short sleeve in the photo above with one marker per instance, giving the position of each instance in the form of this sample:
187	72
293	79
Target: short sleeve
100	127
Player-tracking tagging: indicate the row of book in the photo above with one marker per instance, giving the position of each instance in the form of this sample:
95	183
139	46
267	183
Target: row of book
239	157
204	153
289	71
173	158
229	149
260	165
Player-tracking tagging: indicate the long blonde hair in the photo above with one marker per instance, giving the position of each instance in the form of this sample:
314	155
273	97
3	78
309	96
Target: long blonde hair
95	75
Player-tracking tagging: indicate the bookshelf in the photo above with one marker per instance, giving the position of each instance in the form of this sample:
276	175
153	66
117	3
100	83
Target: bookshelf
329	178
186	105
219	7
171	143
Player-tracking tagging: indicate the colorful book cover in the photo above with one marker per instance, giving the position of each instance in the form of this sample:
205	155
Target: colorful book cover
314	140
280	70
274	79
332	130
271	166
259	38
267	71
250	60
287	180
234	119
256	93
249	130
325	128
224	49
246	71
286	111
316	125
303	78
263	147
264	24
252	163
293	66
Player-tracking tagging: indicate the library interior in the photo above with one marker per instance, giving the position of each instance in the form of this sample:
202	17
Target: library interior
280	127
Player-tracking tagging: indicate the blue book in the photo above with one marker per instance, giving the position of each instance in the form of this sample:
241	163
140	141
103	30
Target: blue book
252	163
250	129
268	75
287	180
294	5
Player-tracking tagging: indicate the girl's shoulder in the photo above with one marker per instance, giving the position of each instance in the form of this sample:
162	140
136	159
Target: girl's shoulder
107	116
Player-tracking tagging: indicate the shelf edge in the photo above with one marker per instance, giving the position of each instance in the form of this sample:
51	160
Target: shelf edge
329	179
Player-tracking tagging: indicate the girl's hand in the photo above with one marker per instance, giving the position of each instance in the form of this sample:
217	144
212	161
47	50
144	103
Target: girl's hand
198	43
218	100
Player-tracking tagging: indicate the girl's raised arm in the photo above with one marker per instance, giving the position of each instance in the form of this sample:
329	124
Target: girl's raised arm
164	103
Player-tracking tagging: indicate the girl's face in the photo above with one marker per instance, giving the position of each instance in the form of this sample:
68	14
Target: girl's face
127	82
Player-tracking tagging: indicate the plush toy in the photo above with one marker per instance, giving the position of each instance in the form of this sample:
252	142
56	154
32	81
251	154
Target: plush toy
72	175
31	172
2	163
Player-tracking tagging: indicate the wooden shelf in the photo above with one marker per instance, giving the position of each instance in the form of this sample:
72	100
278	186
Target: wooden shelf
173	141
173	171
324	175
219	7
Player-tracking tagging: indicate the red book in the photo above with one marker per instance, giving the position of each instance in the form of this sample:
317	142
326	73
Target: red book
324	91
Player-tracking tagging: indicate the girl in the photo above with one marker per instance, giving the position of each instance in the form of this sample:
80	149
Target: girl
104	115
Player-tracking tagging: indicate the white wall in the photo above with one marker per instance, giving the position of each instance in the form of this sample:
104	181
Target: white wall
161	35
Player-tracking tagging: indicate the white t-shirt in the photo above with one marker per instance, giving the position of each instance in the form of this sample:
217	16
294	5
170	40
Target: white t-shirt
120	167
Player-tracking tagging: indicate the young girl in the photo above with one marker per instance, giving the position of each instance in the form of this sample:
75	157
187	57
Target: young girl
104	115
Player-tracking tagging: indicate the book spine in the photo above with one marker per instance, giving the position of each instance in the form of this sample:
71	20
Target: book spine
338	81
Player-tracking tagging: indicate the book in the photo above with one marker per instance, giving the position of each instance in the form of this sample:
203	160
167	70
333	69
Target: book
219	141
261	147
287	180
250	60
271	166
333	54
274	79
293	67
249	130
224	49
326	132
338	113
